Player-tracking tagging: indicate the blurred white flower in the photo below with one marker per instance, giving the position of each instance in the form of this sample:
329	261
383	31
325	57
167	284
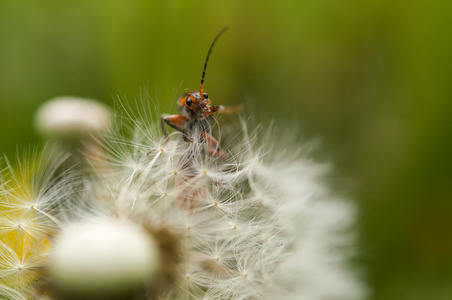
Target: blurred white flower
103	258
73	123
69	117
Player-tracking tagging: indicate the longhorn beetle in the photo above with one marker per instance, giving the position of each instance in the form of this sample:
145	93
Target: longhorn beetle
195	112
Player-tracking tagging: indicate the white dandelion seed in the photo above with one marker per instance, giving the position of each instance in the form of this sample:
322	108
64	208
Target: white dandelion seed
32	194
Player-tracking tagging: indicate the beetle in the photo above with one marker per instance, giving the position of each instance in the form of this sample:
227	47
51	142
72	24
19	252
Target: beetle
195	111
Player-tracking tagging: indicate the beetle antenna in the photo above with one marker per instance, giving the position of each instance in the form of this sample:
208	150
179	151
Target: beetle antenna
207	59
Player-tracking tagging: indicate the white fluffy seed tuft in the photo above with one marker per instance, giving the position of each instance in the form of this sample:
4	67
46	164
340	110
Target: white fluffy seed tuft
66	116
103	258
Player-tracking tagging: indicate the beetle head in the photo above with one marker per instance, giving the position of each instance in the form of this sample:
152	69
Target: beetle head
194	102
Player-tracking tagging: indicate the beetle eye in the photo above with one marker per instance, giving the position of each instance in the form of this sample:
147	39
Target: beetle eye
205	96
188	101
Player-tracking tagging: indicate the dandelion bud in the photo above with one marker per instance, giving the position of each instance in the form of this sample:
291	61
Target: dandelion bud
103	259
71	117
72	123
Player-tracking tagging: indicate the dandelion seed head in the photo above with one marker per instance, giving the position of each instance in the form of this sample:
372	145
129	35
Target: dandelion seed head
103	258
257	223
32	195
72	116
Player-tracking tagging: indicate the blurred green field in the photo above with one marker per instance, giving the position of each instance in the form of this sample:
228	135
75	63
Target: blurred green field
372	78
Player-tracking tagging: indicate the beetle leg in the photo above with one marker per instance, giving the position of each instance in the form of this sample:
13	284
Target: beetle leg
176	122
211	141
223	109
210	110
217	152
162	124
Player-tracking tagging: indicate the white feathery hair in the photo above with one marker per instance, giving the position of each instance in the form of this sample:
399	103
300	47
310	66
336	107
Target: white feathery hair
260	223
255	223
31	193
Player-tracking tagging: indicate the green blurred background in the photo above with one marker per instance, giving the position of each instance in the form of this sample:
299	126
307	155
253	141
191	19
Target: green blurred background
372	78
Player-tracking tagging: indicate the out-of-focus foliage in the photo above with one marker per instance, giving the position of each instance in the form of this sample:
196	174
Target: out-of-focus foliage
371	77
